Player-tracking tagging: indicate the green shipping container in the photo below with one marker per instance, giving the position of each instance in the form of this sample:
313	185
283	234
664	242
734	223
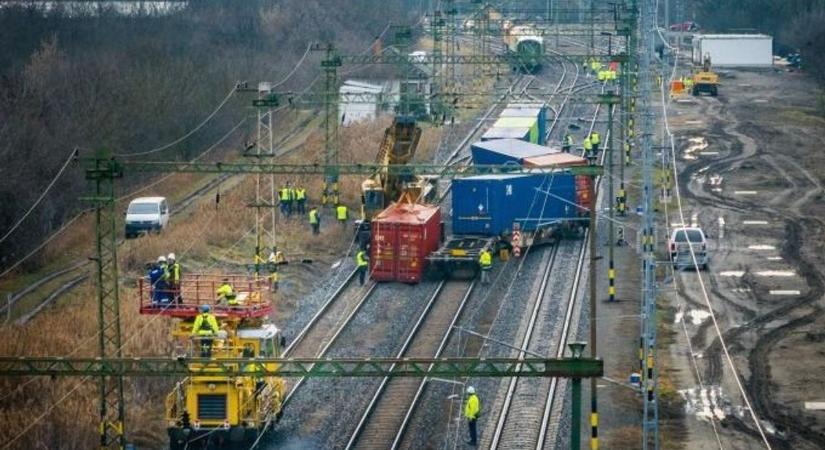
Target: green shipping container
521	122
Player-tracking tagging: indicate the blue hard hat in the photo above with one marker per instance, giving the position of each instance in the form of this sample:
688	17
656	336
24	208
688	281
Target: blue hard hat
205	308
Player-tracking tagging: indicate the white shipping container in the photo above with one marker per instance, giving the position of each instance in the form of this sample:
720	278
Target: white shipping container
734	50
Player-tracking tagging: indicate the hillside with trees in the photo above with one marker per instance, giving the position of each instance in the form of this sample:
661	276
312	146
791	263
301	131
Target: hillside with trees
134	83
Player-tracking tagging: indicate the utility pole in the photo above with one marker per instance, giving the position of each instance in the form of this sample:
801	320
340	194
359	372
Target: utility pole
611	100
650	426
594	407
330	65
112	409
264	148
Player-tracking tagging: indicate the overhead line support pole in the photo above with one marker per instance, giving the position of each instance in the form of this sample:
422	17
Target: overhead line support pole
112	409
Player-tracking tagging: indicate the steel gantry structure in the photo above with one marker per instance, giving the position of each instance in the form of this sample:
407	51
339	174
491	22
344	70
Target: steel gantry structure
110	367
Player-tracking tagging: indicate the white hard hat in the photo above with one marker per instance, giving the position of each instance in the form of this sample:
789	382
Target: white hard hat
161	258
471	390
171	256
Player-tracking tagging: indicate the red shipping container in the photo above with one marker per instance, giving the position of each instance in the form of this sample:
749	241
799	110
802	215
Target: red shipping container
402	236
584	186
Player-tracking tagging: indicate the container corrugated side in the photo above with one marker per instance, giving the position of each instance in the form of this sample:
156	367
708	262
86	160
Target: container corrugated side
490	204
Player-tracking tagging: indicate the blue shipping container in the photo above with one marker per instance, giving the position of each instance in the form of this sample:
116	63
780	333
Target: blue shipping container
504	151
522	134
490	204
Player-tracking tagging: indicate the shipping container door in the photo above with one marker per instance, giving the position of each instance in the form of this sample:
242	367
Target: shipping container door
383	251
409	259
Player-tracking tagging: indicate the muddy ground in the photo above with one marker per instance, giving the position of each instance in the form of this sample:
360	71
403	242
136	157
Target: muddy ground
751	169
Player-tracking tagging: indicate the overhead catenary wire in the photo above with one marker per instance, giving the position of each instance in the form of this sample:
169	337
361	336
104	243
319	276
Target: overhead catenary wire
40	198
121	198
177	141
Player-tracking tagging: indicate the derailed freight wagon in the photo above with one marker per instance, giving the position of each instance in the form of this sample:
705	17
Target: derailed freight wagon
488	209
401	238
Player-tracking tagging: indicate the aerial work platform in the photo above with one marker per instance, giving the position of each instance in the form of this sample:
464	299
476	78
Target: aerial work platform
201	289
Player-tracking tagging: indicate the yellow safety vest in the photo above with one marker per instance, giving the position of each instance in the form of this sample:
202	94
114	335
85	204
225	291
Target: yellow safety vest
472	408
284	195
174	273
211	325
300	194
313	217
360	259
342	212
587	144
485	259
226	291
568	140
594	138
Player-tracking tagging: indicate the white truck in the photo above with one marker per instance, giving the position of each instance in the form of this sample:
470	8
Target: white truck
146	214
680	243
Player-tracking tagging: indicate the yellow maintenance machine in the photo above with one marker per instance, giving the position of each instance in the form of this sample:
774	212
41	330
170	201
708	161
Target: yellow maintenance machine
706	80
212	410
398	147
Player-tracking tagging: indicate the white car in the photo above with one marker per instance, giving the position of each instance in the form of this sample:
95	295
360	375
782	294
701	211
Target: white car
680	243
146	214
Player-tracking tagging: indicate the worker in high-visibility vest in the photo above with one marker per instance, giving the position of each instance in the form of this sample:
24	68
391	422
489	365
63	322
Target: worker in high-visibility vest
315	220
362	261
205	328
226	294
567	143
301	200
485	262
342	215
472	409
173	277
283	200
293	200
595	139
588	146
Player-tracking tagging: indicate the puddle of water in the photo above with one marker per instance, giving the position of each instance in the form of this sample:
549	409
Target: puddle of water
774	258
760	100
703	169
754	222
761	247
697	316
693	122
696	145
784	292
708	153
776	273
815	406
706	403
732	273
745	192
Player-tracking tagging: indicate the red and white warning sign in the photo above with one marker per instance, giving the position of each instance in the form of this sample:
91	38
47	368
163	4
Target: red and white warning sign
516	243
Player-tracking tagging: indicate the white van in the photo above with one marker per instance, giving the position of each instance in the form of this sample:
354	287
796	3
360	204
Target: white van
680	244
146	214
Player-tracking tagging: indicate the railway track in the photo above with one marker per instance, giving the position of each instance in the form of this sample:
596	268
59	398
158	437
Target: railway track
68	276
324	328
378	426
521	423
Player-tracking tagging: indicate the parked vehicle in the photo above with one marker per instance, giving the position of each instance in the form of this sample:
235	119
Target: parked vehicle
680	244
146	214
684	26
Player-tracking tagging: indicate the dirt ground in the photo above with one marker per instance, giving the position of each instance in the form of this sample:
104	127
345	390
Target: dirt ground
750	166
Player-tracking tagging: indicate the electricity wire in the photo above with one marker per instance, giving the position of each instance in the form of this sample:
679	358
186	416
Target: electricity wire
40	198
